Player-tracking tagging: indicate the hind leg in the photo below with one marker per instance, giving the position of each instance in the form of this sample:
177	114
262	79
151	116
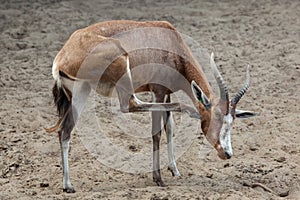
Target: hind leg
72	111
64	138
127	98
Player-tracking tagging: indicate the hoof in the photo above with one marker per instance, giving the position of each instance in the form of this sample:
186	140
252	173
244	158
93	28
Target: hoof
174	172
159	182
69	190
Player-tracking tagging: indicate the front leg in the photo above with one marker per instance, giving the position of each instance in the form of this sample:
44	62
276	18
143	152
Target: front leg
168	126
156	134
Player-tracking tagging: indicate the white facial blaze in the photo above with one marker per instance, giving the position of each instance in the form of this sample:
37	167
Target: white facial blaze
225	140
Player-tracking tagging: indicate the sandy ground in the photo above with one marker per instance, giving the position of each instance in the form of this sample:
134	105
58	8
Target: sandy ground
265	34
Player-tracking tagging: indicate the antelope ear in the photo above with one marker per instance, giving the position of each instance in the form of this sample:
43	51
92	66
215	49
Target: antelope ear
244	114
200	96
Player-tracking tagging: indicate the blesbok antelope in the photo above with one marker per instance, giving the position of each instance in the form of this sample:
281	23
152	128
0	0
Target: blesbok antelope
106	54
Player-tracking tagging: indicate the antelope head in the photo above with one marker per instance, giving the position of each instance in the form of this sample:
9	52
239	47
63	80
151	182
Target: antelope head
218	114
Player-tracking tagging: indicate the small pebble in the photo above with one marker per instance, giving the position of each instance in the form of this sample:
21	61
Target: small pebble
281	159
210	175
44	184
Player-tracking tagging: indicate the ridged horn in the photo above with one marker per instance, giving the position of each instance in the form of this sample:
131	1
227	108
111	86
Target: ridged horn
223	87
239	95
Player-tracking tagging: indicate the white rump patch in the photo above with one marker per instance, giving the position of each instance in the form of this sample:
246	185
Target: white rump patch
55	74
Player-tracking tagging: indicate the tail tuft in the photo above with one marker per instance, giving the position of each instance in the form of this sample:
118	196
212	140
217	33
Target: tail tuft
63	104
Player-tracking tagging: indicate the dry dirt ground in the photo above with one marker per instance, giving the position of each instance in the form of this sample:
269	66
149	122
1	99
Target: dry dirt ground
265	34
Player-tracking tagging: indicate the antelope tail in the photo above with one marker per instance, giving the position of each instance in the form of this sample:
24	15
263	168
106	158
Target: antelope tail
54	127
62	102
